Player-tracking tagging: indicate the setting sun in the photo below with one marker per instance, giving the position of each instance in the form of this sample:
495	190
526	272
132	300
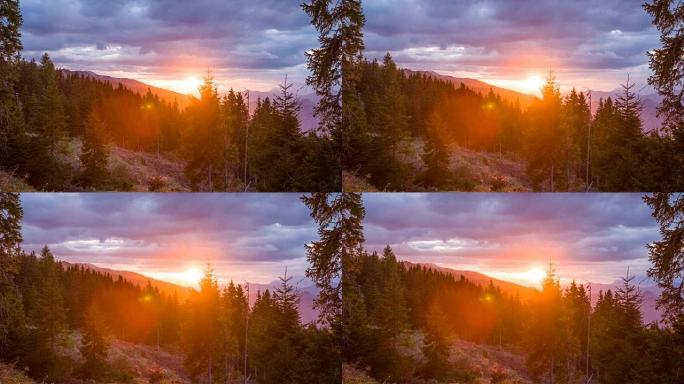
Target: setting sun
535	275
192	275
532	84
189	85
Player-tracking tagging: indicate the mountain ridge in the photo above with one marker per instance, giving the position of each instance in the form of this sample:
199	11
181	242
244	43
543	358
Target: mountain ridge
307	293
649	294
307	101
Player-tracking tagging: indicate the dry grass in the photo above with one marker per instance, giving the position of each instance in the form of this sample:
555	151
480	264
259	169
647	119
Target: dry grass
351	182
492	172
132	363
148	171
10	375
353	375
491	364
11	183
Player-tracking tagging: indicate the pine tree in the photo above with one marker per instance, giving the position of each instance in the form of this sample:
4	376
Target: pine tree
11	306
94	153
435	154
205	142
202	339
10	46
339	25
544	140
391	315
333	257
549	341
667	254
95	342
667	62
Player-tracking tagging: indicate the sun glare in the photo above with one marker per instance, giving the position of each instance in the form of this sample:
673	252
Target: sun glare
192	275
535	275
189	85
533	83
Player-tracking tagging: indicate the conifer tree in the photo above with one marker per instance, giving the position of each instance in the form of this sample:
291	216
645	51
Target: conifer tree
391	315
95	342
10	46
333	267
205	144
333	257
11	306
667	62
202	339
94	153
339	25
50	316
544	148
667	254
435	154
549	341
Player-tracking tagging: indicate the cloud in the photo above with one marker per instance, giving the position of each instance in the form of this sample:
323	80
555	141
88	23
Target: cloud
237	233
591	236
584	234
258	40
582	41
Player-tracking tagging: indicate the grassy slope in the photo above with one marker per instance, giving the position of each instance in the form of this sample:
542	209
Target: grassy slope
135	171
11	183
480	363
132	363
483	171
11	375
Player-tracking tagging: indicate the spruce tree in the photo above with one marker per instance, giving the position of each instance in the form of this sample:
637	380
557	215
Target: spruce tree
202	341
10	46
333	267
95	342
667	62
11	307
204	149
94	153
435	154
667	254
339	25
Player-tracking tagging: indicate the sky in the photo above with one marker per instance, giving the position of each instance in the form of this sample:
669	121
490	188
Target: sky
514	236
253	44
254	237
586	43
247	44
245	237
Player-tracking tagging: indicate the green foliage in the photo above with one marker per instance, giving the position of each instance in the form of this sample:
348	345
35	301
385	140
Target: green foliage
94	153
667	254
95	343
667	61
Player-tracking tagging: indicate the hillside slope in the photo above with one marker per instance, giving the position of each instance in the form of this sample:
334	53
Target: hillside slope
139	280
138	87
478	278
482	87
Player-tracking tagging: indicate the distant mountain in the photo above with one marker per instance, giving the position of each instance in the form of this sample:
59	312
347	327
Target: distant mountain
649	293
307	291
482	87
477	278
649	103
139	87
139	280
307	100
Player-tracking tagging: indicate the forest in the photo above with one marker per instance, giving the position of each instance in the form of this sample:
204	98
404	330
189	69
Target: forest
400	323
58	131
61	323
401	130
